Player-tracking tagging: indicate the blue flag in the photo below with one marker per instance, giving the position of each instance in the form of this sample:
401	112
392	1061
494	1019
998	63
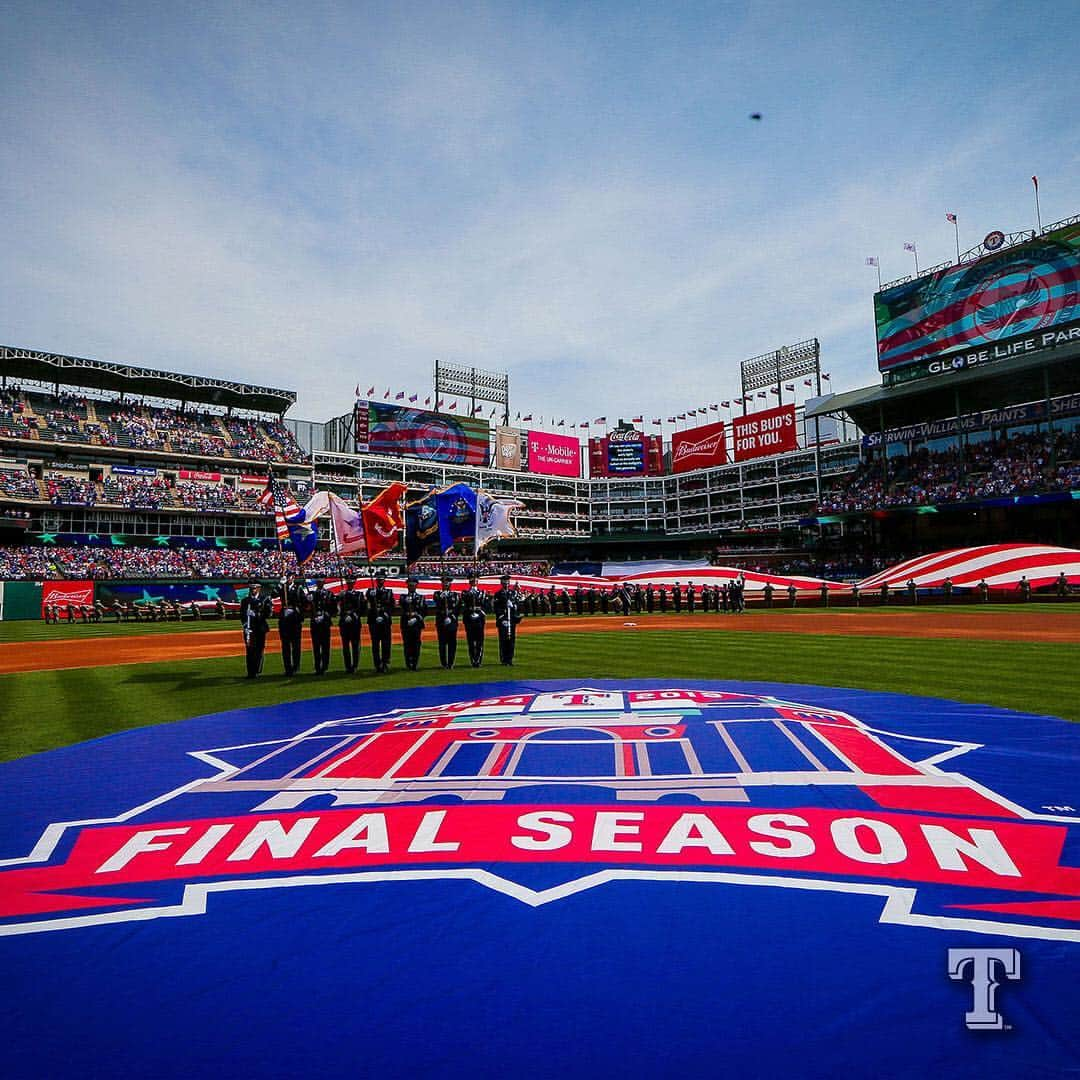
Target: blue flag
303	535
421	527
457	515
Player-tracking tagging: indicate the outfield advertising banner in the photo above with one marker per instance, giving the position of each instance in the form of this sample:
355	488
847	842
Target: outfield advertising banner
508	449
699	448
763	433
62	593
554	455
390	429
626	452
1018	301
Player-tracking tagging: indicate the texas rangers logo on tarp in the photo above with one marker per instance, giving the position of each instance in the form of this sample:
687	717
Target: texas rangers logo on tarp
542	794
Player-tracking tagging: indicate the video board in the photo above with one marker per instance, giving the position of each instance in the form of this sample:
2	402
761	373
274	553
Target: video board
390	429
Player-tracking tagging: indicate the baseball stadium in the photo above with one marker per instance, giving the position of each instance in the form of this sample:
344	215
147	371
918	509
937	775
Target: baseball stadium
438	735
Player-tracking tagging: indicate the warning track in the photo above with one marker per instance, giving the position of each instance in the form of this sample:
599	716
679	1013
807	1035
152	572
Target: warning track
1031	626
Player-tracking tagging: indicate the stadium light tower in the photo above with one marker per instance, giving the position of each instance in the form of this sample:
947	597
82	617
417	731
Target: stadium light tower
474	384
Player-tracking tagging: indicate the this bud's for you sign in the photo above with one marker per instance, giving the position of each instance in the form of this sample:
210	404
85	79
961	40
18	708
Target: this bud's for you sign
763	433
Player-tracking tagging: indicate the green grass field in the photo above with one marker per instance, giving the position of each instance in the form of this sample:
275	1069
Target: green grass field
43	710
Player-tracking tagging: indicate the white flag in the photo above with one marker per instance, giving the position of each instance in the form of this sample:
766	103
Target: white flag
348	526
493	518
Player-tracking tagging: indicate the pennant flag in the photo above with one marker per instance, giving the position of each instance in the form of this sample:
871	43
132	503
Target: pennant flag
383	520
427	401
600	420
774	390
527	419
638	420
789	386
453	405
494	518
400	395
825	375
441	402
726	404
671	419
357	391
691	412
808	382
386	396
457	515
715	408
909	247
573	427
951	218
421	526
414	398
1035	181
370	390
682	416
561	423
872	260
657	420
348	526
761	393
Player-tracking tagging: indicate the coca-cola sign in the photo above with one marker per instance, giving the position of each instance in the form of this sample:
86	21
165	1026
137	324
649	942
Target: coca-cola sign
699	448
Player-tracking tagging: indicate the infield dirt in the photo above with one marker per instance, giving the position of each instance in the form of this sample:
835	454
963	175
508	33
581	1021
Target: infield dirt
1032	626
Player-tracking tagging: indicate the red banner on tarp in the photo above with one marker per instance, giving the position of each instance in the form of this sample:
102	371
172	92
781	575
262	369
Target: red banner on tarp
194	474
764	433
62	593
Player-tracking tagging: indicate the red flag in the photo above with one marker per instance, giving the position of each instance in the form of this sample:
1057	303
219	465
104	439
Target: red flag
1035	181
638	420
384	520
951	218
453	405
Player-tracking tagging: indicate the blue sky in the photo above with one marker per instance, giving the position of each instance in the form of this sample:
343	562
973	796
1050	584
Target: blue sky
319	195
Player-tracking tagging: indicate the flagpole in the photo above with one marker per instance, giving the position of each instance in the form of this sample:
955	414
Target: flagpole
956	231
281	548
1038	211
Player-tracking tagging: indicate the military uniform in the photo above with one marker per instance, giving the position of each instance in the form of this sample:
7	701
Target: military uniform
650	599
350	606
691	597
291	623
412	625
579	600
379	601
255	612
447	609
507	616
472	606
322	610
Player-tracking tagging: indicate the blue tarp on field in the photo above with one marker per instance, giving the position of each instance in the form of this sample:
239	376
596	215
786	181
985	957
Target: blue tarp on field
638	879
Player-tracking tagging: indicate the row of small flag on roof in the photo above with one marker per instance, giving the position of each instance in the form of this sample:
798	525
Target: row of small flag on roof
600	421
438	521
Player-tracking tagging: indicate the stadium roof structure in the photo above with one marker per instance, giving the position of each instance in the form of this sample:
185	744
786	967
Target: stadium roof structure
57	368
1049	373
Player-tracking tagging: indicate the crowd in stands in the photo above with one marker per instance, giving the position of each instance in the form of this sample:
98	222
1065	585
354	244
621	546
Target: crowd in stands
105	563
1021	465
135	492
18	484
66	490
125	424
460	565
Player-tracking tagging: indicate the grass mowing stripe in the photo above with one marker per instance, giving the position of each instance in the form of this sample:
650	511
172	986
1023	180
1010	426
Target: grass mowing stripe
42	710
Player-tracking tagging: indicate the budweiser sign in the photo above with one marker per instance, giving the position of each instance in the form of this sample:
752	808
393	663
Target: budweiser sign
699	448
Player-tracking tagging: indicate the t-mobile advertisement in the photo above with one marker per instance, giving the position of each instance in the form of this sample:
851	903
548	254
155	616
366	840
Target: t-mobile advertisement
554	455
